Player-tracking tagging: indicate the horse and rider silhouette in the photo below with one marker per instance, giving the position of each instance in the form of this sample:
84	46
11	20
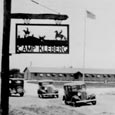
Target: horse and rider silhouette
59	35
27	32
42	38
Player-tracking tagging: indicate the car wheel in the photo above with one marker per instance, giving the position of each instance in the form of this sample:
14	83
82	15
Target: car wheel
21	94
66	102
77	104
42	96
57	96
74	104
94	102
39	96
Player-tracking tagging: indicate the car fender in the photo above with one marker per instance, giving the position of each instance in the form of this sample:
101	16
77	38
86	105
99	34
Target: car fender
92	96
56	91
63	97
75	98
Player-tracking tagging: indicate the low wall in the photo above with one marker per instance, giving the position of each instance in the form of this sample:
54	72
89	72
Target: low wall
89	84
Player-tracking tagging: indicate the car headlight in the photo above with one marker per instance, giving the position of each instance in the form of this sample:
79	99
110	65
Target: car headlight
18	81
79	94
10	81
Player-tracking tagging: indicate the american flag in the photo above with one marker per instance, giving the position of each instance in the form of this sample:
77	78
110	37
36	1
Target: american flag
90	15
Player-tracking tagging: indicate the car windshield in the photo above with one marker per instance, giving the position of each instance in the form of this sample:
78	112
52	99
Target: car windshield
76	87
45	84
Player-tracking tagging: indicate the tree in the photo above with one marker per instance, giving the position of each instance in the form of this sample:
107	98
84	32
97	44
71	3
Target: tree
77	75
15	73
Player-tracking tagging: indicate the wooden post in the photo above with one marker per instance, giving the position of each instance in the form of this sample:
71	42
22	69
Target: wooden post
5	59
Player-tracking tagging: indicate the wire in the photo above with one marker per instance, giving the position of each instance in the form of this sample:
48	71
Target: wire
45	7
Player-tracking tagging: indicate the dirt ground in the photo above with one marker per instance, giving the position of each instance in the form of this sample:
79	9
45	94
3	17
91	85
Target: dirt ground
30	104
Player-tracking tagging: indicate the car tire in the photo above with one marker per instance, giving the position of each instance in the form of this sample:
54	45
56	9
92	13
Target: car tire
77	104
74	104
66	102
39	96
22	94
93	102
42	96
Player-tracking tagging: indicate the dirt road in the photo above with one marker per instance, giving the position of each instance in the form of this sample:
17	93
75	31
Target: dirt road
30	104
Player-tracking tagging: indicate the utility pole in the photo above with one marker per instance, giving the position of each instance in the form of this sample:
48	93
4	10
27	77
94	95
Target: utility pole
5	58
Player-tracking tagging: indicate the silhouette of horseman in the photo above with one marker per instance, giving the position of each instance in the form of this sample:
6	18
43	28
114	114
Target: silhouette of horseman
59	35
27	32
42	38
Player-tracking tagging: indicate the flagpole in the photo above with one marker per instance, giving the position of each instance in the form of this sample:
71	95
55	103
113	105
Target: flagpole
84	46
91	16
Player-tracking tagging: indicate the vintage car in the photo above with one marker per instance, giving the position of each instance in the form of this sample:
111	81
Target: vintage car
75	94
47	89
16	86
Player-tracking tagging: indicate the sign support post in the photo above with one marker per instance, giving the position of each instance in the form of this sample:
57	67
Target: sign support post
5	58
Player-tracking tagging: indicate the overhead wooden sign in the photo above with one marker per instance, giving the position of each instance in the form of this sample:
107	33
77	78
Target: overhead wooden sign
38	16
42	38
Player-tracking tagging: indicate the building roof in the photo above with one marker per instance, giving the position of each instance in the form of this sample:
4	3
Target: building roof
74	83
45	81
68	70
51	70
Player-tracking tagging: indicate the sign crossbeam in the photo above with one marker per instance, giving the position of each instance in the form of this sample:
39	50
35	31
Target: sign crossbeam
38	16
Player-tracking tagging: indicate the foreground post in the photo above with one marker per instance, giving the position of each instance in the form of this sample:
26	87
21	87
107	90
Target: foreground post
5	59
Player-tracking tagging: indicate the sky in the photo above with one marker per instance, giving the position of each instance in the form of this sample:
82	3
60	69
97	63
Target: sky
97	34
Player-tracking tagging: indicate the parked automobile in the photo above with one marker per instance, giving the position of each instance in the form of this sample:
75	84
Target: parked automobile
75	93
47	89
16	86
